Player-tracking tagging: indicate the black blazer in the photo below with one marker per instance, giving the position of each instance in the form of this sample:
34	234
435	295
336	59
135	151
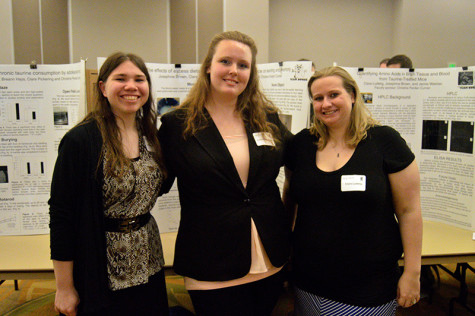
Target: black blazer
214	236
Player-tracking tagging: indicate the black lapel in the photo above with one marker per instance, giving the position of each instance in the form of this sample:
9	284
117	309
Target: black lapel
212	142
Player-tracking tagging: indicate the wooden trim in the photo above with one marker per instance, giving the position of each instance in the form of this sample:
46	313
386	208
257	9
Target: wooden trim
91	81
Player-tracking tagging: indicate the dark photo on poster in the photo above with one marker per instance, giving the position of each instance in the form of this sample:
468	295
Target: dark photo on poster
286	119
3	174
60	117
434	134
166	104
465	78
461	137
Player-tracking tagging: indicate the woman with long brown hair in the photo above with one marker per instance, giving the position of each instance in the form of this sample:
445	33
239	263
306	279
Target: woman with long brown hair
105	245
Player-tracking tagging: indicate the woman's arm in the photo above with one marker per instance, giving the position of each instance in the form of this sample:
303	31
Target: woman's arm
67	186
289	203
405	186
67	298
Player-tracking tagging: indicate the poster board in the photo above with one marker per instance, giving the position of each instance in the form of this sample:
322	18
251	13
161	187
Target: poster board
37	106
434	110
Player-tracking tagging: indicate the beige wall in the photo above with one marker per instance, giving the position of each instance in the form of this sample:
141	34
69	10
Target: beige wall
55	33
210	23
40	31
6	33
101	27
351	33
361	33
194	23
250	17
436	32
183	32
26	31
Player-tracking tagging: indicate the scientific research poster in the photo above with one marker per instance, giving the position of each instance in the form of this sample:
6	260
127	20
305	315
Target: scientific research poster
170	86
434	110
37	106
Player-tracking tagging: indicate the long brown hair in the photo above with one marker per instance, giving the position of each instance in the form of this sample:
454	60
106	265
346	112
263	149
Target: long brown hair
360	119
146	118
252	105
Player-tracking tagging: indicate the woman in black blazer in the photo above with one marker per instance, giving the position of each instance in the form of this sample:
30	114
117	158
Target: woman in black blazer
225	145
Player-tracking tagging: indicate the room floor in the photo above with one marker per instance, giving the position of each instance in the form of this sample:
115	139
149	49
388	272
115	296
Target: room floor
36	297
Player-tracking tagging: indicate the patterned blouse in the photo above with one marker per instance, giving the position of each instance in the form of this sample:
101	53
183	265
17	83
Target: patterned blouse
133	257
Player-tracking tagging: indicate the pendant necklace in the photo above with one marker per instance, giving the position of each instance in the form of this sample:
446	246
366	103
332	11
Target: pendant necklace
338	151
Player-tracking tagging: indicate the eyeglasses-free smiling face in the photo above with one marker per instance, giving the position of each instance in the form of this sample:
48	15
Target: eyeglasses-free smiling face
332	104
230	69
126	88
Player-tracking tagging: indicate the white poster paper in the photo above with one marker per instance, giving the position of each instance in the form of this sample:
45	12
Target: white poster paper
37	106
434	110
170	85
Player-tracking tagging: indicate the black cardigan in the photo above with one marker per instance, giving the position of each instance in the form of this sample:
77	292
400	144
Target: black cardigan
76	214
214	237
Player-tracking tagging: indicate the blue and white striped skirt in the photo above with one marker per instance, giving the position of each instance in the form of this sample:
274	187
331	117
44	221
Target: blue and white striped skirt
307	304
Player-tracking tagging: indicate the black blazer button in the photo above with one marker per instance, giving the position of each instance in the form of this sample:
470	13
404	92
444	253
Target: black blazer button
247	201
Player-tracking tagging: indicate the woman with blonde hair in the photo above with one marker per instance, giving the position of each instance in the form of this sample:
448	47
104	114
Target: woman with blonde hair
356	187
225	146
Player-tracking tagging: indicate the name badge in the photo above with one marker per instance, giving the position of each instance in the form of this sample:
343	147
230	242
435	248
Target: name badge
264	139
353	183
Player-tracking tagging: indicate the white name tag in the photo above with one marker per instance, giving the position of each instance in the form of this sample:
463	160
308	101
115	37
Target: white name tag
353	183
264	139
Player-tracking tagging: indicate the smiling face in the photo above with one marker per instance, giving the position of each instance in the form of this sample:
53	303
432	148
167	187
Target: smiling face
230	69
332	104
126	89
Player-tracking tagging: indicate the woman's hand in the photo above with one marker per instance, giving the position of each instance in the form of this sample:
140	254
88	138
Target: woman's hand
408	289
66	301
405	186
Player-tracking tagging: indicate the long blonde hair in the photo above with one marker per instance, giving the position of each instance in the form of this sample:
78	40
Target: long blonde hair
252	105
360	118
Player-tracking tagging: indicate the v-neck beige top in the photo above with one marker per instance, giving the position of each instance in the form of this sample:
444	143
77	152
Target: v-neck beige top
261	267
